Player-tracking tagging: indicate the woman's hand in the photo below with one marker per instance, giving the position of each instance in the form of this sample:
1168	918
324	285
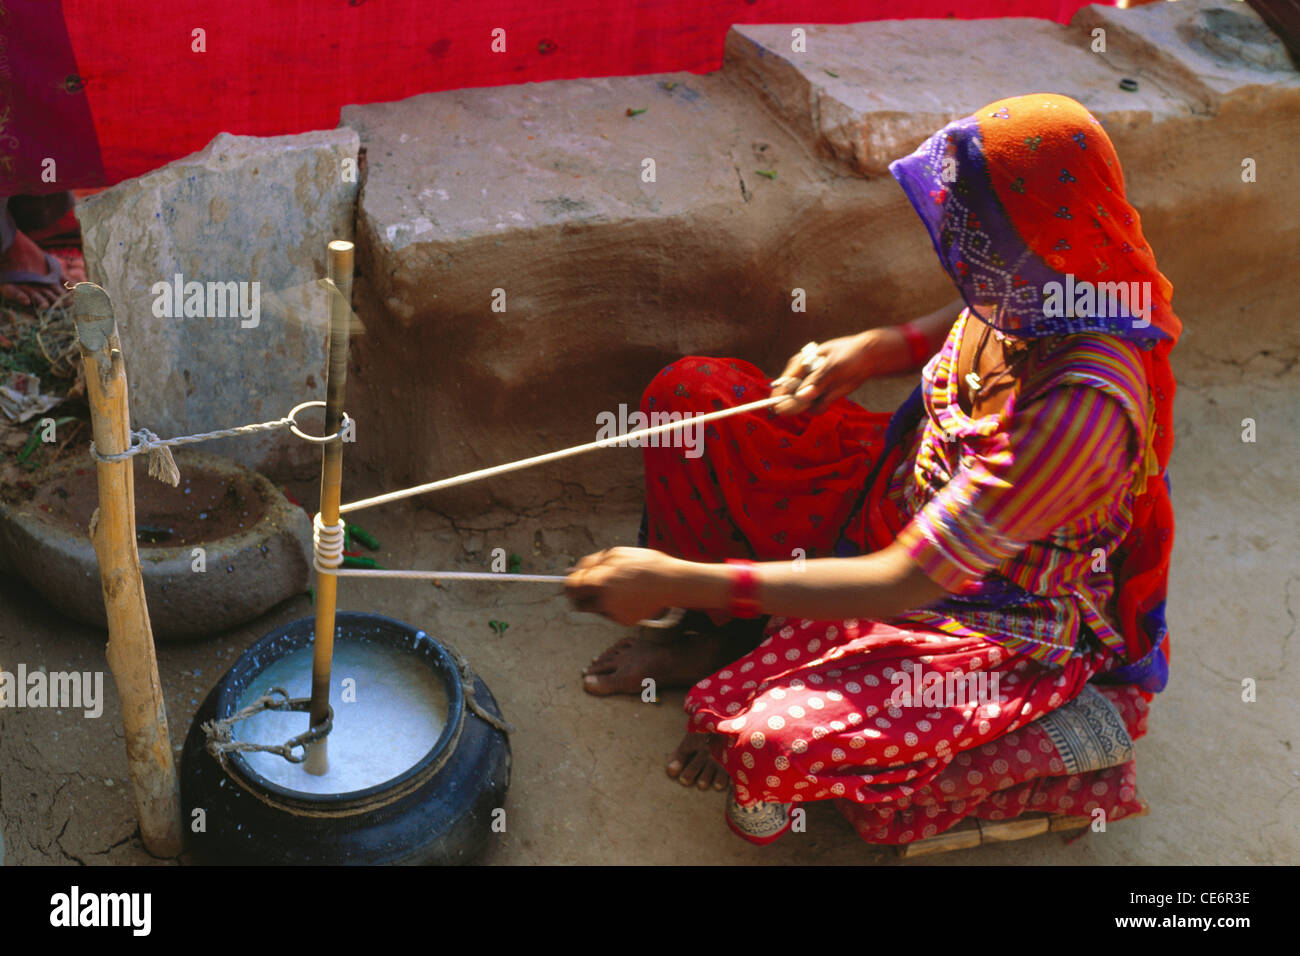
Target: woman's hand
818	376
627	585
822	374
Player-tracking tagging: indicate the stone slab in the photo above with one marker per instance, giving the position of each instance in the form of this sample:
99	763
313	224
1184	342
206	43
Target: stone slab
1209	50
867	93
506	159
244	209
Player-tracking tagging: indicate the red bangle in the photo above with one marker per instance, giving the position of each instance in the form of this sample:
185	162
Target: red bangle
744	589
917	342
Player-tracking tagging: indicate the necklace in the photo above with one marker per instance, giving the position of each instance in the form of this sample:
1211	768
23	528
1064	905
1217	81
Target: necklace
973	378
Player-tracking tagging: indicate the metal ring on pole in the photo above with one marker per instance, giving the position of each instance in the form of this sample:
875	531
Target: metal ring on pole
316	439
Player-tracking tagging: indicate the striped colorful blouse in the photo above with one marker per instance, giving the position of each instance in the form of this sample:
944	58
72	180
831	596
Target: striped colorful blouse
1018	513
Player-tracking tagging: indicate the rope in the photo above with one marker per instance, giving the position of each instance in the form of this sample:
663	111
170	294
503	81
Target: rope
443	575
221	736
557	455
163	466
327	541
467	687
161	463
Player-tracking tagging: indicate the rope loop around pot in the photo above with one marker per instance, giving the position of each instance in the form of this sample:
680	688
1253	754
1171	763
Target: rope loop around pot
467	689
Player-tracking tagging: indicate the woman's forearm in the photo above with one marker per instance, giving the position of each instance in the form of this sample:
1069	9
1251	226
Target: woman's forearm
874	586
886	351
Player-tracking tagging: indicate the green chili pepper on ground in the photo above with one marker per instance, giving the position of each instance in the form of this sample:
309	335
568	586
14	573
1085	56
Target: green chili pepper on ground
365	537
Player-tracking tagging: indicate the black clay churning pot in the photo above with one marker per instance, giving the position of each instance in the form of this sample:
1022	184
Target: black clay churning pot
439	810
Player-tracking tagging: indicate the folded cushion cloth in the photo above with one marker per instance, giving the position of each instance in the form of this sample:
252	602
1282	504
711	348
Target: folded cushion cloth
1074	761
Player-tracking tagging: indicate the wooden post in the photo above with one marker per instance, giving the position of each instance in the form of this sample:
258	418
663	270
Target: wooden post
331	483
130	638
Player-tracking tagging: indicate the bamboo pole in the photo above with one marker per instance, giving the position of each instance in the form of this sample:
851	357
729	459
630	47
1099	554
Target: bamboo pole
130	653
331	483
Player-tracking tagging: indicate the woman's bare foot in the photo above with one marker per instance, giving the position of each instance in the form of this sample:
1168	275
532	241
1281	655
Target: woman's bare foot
675	658
692	764
678	659
26	256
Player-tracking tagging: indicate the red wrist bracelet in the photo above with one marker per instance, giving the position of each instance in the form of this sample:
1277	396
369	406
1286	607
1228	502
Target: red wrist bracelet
917	342
744	589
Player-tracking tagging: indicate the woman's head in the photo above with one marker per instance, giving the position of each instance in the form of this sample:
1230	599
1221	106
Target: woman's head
1025	204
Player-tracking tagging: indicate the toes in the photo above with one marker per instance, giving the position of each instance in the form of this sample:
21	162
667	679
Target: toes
602	685
692	765
698	763
715	777
681	756
608	657
606	662
609	680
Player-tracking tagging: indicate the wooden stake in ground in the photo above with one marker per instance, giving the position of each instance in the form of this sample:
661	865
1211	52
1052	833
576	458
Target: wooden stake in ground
130	638
331	483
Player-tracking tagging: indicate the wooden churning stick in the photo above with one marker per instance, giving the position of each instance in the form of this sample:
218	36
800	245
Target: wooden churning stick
331	481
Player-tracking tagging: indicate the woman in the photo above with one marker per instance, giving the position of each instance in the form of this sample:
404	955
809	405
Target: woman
944	591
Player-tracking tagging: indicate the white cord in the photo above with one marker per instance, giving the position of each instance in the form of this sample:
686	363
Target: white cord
327	541
557	455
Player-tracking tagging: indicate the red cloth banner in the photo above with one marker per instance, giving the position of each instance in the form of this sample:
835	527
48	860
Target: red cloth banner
114	88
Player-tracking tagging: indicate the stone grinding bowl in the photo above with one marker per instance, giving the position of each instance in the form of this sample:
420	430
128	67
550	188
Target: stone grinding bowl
247	571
